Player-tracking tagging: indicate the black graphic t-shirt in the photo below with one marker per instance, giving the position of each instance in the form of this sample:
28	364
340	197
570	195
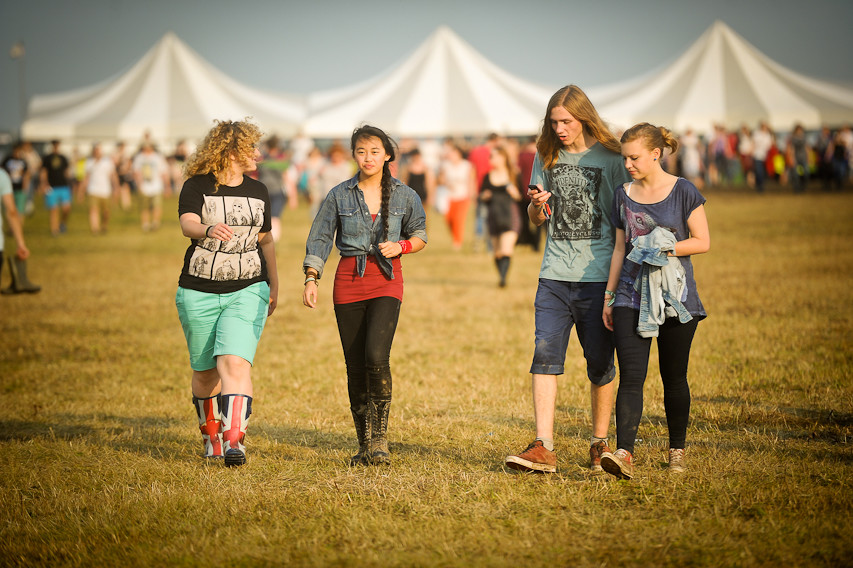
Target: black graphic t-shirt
56	166
211	265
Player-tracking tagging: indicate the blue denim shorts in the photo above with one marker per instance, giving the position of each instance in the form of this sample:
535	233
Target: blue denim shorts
561	306
222	324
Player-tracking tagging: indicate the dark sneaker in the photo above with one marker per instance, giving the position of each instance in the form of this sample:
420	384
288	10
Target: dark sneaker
595	452
676	460
619	463
535	458
234	457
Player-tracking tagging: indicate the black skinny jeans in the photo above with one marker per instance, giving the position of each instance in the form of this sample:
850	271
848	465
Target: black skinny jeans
367	331
632	351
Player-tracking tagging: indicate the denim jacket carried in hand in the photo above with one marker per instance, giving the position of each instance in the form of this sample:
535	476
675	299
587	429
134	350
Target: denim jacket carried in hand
661	283
344	219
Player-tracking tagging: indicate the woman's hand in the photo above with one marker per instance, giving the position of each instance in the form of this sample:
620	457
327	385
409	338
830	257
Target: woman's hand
309	294
220	231
390	249
607	315
273	300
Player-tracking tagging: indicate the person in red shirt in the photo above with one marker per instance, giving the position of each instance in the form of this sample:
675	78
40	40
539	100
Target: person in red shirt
481	158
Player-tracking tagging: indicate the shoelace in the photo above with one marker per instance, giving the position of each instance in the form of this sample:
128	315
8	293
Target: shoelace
676	457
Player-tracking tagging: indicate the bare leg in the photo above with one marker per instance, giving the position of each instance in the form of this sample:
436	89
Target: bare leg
236	375
54	221
94	219
507	243
544	404
602	407
206	383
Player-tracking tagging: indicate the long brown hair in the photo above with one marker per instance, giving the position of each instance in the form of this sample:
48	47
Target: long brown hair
575	101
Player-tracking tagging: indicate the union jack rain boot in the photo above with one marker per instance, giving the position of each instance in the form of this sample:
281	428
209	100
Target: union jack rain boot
236	409
209	423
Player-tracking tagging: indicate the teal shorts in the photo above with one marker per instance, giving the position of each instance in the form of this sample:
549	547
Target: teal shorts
20	202
58	196
222	324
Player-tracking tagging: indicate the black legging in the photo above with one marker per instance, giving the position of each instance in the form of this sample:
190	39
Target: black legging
633	353
367	331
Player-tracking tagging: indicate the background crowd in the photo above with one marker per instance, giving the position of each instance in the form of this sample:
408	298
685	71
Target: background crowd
447	174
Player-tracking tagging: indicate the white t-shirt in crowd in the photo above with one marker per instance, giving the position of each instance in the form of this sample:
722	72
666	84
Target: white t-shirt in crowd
100	172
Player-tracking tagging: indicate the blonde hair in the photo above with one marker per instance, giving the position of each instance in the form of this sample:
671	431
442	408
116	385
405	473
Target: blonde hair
654	137
575	101
227	138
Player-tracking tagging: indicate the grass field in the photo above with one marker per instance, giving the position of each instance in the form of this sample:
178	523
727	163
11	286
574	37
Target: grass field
100	445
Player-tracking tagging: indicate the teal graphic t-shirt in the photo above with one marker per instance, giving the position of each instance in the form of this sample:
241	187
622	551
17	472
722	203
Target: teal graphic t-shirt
580	232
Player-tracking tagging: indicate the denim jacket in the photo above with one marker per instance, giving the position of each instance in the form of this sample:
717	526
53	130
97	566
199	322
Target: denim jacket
344	216
662	281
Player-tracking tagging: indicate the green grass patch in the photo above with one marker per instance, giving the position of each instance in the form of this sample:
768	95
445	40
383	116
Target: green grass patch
100	442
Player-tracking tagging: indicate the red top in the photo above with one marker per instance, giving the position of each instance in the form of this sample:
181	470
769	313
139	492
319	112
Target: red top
350	288
481	157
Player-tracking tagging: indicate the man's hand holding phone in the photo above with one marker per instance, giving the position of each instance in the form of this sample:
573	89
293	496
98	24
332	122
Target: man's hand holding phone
539	198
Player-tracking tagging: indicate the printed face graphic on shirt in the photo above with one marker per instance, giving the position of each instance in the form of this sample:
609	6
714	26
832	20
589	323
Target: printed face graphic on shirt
239	257
576	213
225	271
637	224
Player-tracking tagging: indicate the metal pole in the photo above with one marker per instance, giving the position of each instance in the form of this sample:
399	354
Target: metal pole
18	52
22	94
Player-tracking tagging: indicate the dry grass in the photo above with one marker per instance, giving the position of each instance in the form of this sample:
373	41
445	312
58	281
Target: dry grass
100	446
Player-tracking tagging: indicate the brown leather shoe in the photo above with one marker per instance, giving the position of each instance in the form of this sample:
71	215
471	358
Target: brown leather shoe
535	458
595	452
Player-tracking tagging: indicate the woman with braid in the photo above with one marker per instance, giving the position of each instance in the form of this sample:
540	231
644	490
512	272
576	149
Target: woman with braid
373	219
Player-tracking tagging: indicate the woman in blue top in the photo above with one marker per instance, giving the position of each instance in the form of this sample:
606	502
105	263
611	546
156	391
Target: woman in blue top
373	219
655	205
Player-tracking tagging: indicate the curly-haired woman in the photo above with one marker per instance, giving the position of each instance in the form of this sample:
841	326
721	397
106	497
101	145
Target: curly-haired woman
228	284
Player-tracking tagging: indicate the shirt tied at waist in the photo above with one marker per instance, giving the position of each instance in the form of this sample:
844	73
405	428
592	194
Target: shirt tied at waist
385	264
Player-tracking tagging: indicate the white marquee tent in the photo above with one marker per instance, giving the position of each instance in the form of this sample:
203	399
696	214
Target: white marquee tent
171	93
444	88
722	79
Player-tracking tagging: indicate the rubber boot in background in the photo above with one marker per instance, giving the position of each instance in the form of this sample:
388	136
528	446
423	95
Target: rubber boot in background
20	282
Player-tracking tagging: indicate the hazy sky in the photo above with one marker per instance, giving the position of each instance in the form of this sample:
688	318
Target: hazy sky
303	46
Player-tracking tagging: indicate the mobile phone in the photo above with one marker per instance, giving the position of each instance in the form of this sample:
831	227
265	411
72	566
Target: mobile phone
547	207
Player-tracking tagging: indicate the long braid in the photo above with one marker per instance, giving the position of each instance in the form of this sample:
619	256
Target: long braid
386	198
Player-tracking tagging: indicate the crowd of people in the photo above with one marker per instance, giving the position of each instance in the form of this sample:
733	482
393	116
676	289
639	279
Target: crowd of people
101	179
752	157
621	217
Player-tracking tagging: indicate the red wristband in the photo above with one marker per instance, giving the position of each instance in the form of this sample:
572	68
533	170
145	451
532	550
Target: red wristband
406	245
